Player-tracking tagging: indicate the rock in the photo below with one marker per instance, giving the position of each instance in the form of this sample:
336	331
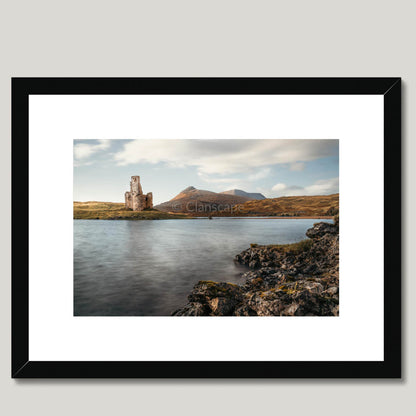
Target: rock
302	280
192	309
291	310
320	229
222	306
211	298
254	264
331	291
245	310
313	287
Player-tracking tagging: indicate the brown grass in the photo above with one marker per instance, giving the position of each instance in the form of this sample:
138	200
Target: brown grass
95	210
291	206
294	248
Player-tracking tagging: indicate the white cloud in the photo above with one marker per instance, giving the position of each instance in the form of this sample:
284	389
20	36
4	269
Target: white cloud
261	174
225	156
279	187
83	151
321	187
298	166
212	179
324	187
226	183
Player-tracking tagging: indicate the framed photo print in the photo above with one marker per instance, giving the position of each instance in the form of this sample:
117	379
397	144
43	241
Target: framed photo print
206	227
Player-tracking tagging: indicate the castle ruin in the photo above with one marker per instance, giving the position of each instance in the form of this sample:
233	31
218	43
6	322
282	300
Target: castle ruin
135	199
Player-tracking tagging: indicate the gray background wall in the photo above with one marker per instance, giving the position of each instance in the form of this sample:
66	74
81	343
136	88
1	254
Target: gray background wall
209	38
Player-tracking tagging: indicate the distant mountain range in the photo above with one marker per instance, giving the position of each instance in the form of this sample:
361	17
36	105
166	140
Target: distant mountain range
239	192
192	200
236	202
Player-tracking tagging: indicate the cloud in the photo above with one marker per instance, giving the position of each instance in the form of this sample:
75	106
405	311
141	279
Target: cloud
83	151
279	187
239	182
212	179
321	187
261	174
298	166
225	156
324	187
224	183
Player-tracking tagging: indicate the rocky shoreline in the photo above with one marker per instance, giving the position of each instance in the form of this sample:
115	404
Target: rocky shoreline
300	279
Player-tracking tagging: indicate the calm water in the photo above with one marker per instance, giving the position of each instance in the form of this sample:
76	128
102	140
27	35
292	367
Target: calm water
149	267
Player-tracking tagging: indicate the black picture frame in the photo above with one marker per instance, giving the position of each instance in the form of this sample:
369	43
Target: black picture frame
390	367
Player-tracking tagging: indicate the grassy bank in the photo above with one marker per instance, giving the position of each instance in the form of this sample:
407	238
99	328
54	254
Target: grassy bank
93	210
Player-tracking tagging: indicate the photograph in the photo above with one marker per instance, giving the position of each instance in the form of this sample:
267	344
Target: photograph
206	227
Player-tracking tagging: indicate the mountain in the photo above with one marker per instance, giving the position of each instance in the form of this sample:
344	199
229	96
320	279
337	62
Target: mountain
239	203
288	206
239	192
199	201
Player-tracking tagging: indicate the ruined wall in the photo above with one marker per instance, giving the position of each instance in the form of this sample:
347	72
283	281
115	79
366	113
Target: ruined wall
149	200
135	199
135	185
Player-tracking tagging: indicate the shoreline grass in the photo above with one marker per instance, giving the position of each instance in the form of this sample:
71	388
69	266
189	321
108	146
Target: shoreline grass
294	248
94	210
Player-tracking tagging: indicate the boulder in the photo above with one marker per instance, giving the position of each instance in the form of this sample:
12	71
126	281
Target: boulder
211	298
320	229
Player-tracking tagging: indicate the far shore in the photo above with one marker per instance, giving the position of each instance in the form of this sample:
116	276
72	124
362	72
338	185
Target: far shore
263	217
95	210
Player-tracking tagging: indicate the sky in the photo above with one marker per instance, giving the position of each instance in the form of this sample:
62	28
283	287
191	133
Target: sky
102	168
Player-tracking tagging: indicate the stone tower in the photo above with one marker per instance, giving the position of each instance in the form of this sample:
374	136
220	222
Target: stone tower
135	199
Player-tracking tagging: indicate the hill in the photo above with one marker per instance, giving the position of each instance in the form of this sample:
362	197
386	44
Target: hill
239	192
94	210
196	201
288	206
